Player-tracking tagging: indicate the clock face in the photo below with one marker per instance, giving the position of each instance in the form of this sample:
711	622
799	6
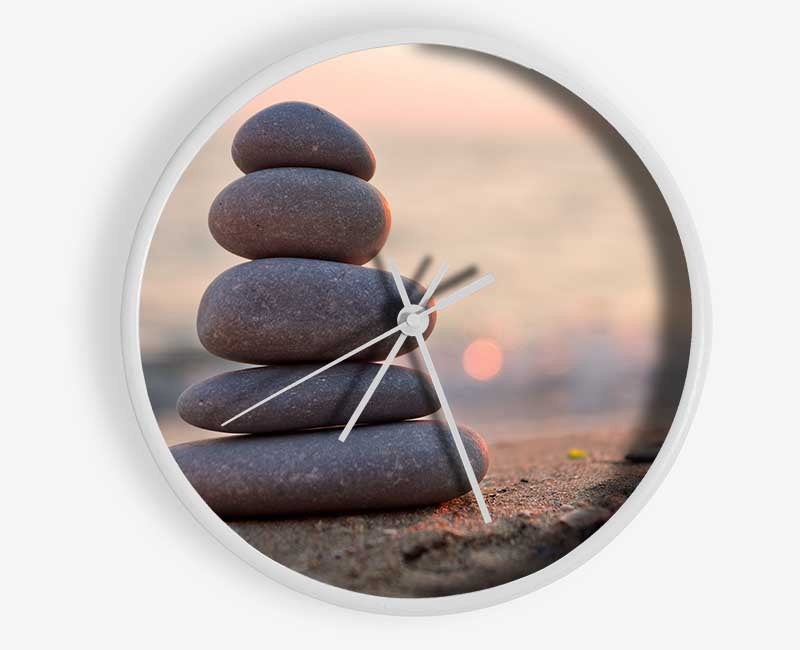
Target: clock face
415	322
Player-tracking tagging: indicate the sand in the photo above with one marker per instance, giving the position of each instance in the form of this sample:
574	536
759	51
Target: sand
543	504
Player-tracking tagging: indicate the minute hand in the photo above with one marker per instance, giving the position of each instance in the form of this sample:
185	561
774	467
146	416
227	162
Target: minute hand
454	297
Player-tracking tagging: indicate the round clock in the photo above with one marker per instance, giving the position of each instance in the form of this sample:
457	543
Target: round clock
412	325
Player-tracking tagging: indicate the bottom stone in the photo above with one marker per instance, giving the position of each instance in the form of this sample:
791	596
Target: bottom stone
397	465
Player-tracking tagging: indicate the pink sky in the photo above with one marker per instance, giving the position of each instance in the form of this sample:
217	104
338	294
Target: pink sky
363	87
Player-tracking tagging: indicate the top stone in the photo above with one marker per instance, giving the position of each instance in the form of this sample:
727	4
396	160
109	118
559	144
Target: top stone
297	134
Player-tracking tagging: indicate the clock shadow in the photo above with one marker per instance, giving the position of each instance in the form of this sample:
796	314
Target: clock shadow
668	378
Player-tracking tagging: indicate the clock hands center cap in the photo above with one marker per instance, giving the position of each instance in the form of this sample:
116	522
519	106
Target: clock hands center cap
412	321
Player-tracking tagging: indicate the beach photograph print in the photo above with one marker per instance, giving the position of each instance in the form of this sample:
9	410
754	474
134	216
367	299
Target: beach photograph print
415	322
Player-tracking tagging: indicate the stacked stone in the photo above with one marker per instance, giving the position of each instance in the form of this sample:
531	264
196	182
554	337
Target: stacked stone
306	216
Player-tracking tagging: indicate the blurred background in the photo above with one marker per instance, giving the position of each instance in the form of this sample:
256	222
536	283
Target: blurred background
490	168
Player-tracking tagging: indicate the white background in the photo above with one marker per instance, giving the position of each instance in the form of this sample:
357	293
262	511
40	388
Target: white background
97	551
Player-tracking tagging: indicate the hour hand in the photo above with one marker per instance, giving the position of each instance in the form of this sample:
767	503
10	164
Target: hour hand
372	387
398	280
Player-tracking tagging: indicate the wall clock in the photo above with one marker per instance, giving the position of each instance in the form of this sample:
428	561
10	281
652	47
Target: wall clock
414	324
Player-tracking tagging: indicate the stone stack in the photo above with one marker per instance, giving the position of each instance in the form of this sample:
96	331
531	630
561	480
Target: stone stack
306	216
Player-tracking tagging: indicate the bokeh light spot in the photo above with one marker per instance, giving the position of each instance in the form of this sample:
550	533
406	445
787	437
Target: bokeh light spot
483	359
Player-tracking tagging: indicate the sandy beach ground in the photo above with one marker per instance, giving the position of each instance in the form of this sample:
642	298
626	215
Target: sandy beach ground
543	504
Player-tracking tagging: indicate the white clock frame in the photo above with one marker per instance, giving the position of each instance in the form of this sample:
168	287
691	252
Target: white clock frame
525	56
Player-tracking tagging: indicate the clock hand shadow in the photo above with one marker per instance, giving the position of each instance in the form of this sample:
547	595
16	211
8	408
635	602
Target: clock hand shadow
422	268
453	280
457	278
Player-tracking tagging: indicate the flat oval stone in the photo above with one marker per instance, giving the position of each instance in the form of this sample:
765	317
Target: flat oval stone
398	465
329	399
289	310
297	134
297	212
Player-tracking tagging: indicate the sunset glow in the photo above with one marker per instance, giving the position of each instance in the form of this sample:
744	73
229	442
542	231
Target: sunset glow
483	359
